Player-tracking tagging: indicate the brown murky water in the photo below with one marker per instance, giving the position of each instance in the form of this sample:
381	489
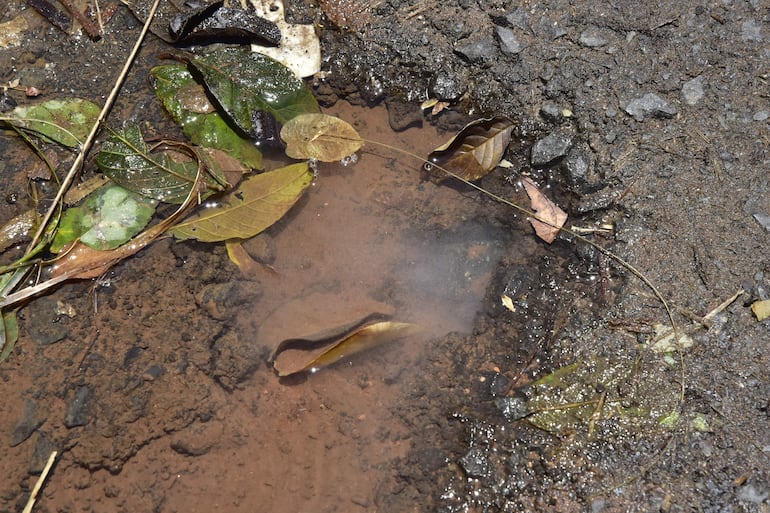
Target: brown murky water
373	230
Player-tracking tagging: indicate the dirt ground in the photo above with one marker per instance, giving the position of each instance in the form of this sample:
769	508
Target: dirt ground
649	122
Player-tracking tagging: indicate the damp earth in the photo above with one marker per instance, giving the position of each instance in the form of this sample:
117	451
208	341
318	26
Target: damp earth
648	122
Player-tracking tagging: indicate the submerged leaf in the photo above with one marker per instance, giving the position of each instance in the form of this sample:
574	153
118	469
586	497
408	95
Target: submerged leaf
108	218
320	136
66	122
257	204
166	175
18	229
187	102
246	83
546	210
9	333
475	151
292	360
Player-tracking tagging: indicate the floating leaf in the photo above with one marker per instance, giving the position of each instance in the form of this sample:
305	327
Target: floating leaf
475	150
187	102
319	136
257	204
246	83
108	218
545	210
165	175
293	359
65	122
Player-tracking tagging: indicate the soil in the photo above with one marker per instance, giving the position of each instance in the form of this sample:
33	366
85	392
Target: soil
648	122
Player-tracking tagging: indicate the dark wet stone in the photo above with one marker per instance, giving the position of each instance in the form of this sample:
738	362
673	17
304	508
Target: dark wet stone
550	148
447	85
475	463
512	408
509	43
592	39
403	115
478	51
576	165
78	408
30	421
551	112
44	323
692	90
650	105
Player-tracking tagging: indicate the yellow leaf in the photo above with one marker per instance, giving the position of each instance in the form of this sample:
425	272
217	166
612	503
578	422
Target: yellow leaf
254	206
761	309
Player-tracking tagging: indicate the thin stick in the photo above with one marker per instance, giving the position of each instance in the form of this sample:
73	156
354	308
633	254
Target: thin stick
39	483
92	135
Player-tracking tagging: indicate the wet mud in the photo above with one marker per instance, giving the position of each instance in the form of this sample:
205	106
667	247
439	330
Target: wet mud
647	122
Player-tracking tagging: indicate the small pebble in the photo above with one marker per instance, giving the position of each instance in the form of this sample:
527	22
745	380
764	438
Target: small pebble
692	90
650	105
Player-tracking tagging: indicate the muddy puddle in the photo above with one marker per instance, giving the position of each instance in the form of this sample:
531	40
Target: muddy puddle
157	377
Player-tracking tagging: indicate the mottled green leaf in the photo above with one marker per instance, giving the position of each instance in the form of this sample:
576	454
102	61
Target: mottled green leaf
245	83
108	218
165	175
255	205
9	334
187	102
66	122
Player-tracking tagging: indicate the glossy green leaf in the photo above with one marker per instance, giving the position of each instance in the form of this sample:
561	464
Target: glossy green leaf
165	175
187	102
66	122
108	218
245	83
255	205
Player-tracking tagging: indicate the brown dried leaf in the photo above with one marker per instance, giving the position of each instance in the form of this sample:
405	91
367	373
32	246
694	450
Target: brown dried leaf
475	151
320	136
546	210
293	360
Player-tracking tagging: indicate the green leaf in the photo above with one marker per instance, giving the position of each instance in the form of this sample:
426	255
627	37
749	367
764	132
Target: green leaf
66	122
256	205
319	136
245	83
9	334
108	218
187	102
165	175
